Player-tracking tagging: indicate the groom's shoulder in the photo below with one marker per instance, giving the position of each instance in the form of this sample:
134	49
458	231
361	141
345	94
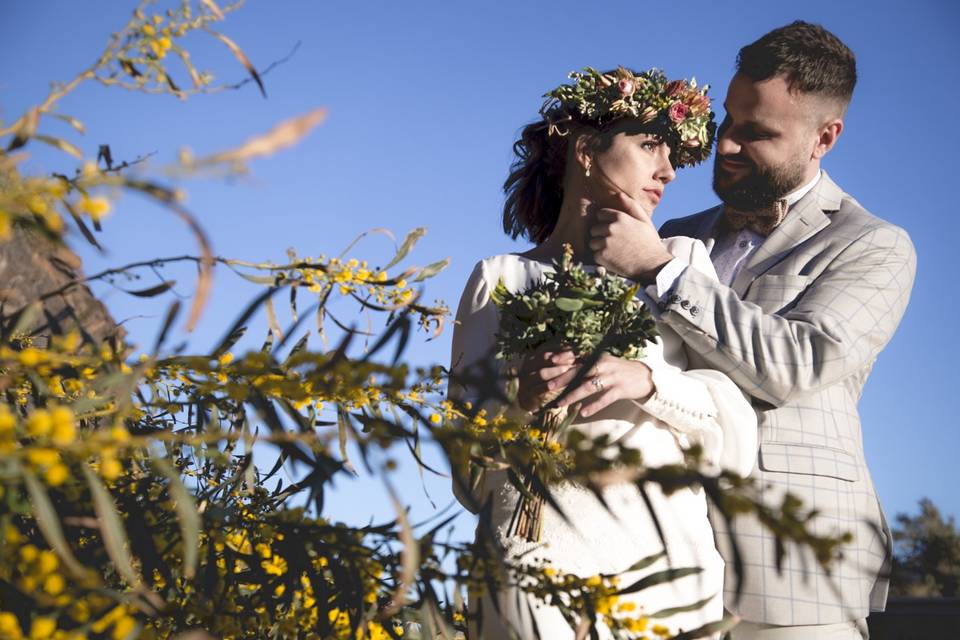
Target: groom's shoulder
687	224
854	217
851	223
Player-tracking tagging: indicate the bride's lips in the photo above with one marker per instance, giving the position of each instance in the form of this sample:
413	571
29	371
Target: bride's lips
655	194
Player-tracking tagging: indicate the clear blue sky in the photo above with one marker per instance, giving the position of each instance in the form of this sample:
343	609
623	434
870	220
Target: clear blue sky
425	99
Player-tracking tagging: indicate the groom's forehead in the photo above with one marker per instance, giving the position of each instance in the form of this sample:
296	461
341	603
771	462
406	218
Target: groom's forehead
762	102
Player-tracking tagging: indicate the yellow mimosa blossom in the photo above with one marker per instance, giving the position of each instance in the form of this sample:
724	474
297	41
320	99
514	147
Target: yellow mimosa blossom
123	628
39	423
31	357
6	227
276	566
119	434
42	628
54	584
37	205
64	428
57	474
47	562
110	468
9	626
96	207
8	421
43	457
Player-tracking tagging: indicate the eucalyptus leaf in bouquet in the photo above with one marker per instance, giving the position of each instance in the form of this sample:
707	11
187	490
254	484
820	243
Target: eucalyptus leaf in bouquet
572	308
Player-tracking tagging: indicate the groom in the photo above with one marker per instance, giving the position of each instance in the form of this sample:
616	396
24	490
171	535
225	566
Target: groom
812	288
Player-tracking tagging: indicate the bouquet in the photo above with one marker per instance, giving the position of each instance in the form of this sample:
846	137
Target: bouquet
569	309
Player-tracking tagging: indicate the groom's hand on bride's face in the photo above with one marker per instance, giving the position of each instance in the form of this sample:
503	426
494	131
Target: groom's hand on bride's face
537	371
625	241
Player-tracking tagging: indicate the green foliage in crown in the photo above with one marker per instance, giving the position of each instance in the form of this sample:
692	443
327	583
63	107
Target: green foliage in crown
678	109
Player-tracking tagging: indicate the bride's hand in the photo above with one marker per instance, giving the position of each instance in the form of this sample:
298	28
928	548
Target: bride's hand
536	372
609	380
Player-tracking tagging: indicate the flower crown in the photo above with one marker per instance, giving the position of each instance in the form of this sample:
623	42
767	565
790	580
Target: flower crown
676	107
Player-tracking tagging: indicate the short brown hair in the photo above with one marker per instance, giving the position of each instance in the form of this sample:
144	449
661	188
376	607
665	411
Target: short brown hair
812	59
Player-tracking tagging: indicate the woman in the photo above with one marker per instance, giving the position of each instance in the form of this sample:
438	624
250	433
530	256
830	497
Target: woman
607	141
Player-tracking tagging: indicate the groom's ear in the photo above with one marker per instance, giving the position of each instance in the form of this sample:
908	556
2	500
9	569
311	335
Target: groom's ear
827	136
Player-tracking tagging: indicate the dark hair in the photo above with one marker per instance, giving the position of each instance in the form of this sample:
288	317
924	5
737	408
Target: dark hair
534	187
812	59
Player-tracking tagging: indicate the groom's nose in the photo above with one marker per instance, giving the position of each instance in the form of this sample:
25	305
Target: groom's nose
727	146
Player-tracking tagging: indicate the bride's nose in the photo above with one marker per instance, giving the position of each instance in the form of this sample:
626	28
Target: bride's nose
664	172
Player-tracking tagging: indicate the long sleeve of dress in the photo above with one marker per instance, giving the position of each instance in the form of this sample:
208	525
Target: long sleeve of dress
702	403
472	355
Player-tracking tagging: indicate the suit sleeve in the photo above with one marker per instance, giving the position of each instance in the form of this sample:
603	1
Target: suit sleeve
838	325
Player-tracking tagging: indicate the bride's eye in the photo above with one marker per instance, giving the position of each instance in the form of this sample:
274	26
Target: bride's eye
650	145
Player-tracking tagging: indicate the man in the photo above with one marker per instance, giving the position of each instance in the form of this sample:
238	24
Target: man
812	288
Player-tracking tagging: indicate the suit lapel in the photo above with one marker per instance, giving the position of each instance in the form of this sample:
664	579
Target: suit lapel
806	217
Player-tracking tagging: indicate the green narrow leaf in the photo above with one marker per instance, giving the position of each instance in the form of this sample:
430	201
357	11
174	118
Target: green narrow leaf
643	563
409	554
693	606
49	522
709	629
61	144
242	58
153	291
660	577
257	279
272	319
407	245
73	122
343	427
432	269
363	235
111	529
187	516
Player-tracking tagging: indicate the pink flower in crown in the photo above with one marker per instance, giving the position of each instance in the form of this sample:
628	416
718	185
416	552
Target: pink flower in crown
678	112
626	87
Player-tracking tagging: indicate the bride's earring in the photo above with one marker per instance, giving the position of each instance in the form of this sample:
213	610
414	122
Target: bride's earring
587	171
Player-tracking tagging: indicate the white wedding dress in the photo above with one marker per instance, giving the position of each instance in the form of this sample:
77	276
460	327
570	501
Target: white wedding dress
687	407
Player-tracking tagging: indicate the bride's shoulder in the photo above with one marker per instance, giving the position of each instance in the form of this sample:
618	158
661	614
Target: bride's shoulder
509	267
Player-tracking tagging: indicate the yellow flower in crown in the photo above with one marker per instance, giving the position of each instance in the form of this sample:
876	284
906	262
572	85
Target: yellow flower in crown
678	110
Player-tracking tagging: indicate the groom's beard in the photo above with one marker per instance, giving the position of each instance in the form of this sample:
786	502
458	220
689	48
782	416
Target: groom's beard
759	188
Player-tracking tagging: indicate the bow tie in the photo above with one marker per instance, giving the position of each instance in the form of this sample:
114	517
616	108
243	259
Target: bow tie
762	221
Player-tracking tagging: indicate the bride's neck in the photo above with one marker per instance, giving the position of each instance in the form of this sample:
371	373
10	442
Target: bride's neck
572	228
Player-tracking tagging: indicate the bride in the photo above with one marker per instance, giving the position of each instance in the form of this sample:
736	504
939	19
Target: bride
606	142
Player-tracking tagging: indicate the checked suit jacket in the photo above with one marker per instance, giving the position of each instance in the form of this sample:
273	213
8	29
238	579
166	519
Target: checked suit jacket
799	331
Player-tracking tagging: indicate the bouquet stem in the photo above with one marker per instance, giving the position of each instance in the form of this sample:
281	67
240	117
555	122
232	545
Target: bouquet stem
527	520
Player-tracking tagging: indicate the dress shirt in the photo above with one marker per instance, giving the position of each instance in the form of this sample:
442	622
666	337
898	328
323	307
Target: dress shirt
730	253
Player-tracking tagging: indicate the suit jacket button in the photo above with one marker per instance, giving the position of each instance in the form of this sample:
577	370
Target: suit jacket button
685	304
694	310
674	298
